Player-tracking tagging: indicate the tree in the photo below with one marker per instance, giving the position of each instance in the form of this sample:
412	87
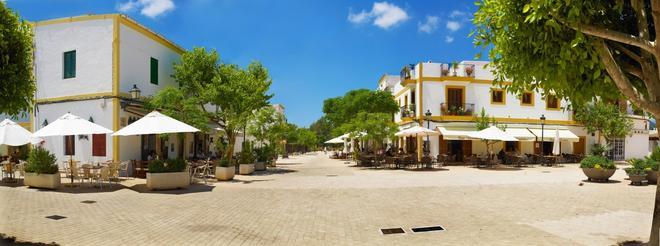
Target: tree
606	119
482	122
17	83
263	126
224	93
306	138
580	50
323	129
340	110
376	127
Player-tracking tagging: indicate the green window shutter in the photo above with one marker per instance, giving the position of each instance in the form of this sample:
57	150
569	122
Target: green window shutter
154	71
69	64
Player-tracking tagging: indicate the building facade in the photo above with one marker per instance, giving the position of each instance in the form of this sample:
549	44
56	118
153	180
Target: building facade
449	97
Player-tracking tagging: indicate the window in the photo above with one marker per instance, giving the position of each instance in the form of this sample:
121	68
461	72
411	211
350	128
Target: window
497	96
551	102
98	145
154	71
527	99
69	67
69	145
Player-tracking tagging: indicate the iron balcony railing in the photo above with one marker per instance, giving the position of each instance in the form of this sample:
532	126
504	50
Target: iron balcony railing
460	109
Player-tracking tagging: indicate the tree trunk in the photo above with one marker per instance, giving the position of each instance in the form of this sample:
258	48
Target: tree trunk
230	146
655	225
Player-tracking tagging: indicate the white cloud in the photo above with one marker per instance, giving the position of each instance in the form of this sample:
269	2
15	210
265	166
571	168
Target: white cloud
449	39
429	25
453	25
457	13
149	8
383	14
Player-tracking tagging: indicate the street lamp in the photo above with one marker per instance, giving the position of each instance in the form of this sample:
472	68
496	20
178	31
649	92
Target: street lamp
428	125
542	131
135	92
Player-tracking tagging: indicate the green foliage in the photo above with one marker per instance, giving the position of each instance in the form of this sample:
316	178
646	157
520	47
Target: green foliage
341	110
604	118
593	161
247	154
377	127
266	125
306	137
210	90
265	153
17	84
638	167
224	162
483	121
599	149
535	47
653	160
40	161
167	166
323	129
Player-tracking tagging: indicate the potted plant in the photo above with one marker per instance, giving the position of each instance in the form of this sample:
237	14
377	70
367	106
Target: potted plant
41	170
454	68
445	69
652	163
597	168
468	70
637	172
262	158
224	170
246	160
167	174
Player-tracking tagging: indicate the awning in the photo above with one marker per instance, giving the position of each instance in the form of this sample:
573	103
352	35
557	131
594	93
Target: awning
455	133
549	135
522	134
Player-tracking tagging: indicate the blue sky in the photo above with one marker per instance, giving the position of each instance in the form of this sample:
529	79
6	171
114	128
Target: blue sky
313	49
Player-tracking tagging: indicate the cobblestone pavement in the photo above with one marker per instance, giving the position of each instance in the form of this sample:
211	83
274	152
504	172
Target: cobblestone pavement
313	200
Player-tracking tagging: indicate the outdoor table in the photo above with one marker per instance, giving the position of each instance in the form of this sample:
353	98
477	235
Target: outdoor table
550	160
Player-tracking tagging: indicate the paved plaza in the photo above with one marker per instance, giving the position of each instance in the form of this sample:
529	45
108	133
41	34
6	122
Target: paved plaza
314	200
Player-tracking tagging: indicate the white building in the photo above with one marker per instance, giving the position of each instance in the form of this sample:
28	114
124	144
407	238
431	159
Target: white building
454	95
87	65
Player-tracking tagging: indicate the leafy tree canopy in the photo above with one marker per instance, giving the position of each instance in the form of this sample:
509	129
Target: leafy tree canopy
17	83
340	110
606	119
376	126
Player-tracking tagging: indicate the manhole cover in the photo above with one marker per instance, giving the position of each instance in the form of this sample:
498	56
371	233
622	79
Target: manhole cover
55	217
545	171
331	175
88	201
389	231
427	229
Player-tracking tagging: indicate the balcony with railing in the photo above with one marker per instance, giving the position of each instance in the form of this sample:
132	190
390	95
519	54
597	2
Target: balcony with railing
457	109
407	72
457	70
407	111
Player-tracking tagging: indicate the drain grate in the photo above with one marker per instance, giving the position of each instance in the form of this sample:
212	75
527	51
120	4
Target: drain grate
331	175
428	229
55	217
388	231
88	201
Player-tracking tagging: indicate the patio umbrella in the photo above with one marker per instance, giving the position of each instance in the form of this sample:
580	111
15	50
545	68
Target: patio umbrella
155	123
492	135
13	134
336	140
67	125
555	145
417	131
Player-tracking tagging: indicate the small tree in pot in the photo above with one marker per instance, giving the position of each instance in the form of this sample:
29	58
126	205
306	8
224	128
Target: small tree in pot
224	170
246	159
637	171
41	170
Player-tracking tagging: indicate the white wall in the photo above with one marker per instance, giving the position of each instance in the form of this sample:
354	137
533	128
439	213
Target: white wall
92	41
135	53
102	115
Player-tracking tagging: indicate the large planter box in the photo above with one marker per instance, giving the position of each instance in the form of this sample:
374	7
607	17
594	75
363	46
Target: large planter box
168	181
260	166
636	179
652	177
225	173
245	169
47	181
598	174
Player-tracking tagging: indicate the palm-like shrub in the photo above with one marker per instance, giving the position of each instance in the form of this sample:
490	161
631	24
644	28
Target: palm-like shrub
41	161
638	167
